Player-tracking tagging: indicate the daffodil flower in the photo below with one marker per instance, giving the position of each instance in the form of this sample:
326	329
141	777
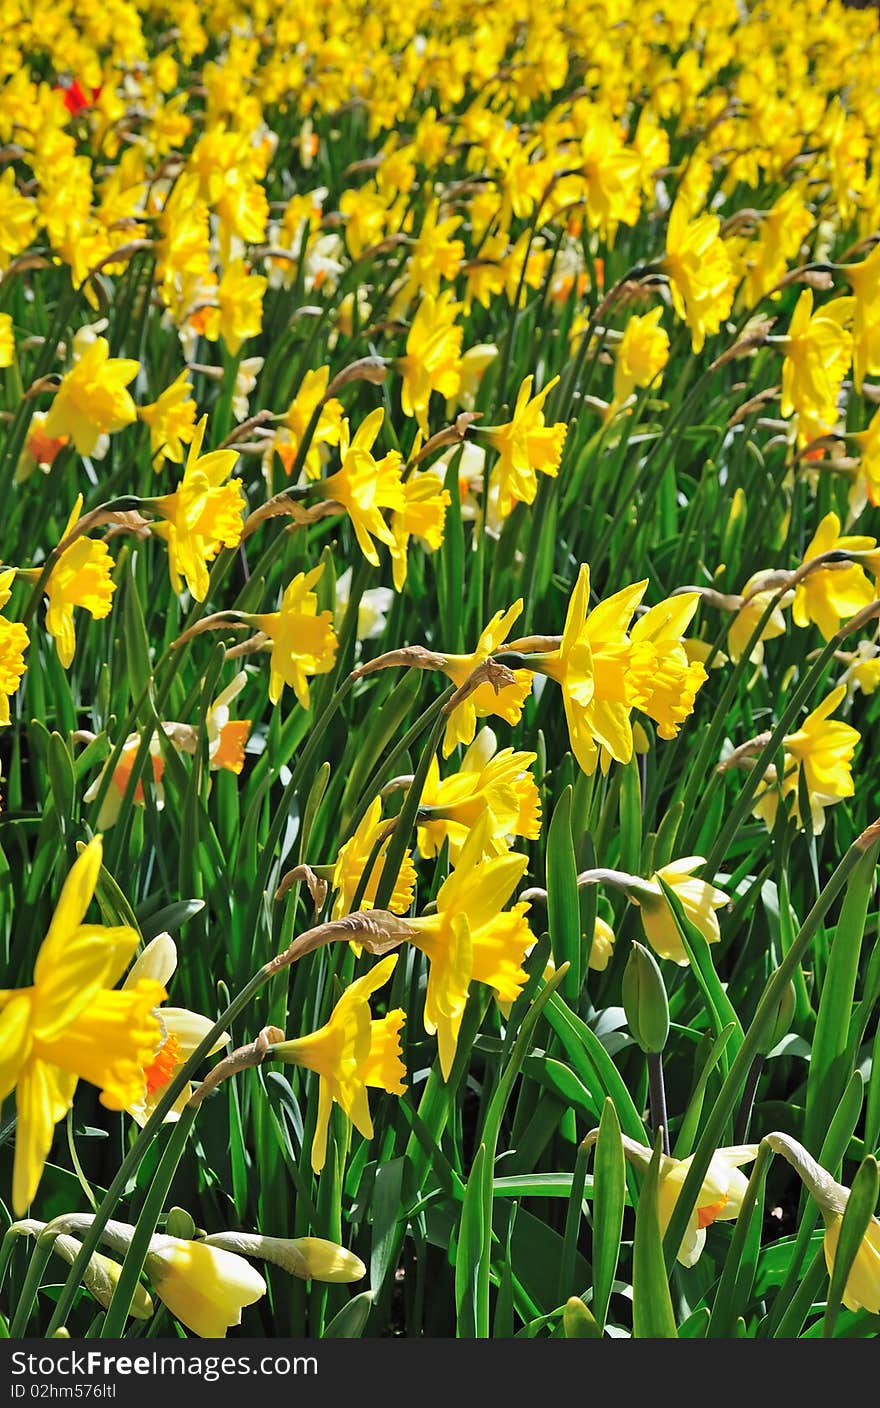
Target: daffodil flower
471	938
350	1053
352	859
506	702
699	901
202	515
701	278
303	641
79	577
719	1199
492	784
365	486
526	445
70	1025
14	641
862	1288
91	401
182	1031
205	1288
592	668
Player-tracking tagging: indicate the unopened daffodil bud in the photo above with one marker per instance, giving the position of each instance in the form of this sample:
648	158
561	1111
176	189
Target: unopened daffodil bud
644	1000
309	1258
101	1275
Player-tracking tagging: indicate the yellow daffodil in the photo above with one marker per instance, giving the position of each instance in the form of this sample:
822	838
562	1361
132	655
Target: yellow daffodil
866	482
818	352
699	268
592	668
641	355
699	900
365	486
719	1199
745	622
834	593
823	748
349	1054
612	174
526	445
485	700
302	637
602	945
7	341
79	577
14	641
91	401
172	421
311	393
490	784
101	1276
202	515
435	255
352	861
204	1287
70	1025
862	1289
423	517
18	219
240	312
471	938
666	681
864	279
778	241
433	356
309	1258
181	1030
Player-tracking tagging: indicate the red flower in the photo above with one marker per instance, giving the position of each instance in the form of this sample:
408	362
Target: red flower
75	96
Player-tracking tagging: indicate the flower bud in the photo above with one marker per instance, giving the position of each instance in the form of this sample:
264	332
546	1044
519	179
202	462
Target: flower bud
644	1000
101	1275
180	1224
309	1258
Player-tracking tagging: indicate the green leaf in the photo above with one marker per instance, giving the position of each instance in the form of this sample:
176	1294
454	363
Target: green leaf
563	907
594	1066
469	1252
630	803
609	1196
830	1061
61	774
719	1008
853	1225
653	1316
349	1323
386	1208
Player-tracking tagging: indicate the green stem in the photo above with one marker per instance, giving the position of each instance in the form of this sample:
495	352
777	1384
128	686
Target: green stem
41	1254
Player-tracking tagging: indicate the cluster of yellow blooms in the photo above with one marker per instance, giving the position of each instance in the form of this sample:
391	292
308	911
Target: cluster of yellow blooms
509	148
